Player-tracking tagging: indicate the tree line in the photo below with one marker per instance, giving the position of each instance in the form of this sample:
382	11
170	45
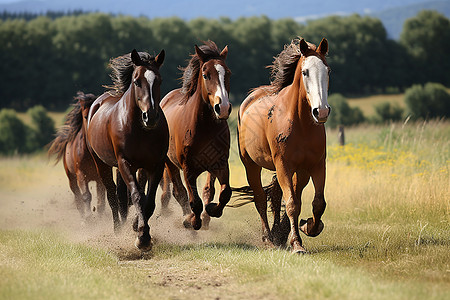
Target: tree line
46	60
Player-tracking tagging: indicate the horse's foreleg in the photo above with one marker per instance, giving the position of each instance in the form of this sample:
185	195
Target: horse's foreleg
216	210
314	226
194	199
143	241
208	197
293	205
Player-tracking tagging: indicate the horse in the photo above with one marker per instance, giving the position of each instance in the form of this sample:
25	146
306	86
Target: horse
197	115
70	146
281	128
128	130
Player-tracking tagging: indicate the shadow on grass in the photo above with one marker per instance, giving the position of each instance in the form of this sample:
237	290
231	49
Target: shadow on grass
170	250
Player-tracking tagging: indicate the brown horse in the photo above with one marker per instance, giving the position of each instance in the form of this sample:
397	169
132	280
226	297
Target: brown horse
70	145
197	116
127	129
281	128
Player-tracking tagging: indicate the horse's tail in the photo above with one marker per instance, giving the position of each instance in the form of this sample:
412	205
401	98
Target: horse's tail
244	195
72	125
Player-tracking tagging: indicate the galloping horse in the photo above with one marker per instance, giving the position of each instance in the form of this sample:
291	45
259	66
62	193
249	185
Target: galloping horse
127	129
197	116
70	145
281	128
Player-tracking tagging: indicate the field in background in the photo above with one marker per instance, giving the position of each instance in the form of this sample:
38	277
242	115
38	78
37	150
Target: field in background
386	232
367	104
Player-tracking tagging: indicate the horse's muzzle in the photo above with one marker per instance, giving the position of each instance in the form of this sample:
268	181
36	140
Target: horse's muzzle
321	114
150	119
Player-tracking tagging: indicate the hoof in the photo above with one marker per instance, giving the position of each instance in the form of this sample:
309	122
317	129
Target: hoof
306	226
196	222
213	210
299	251
187	222
279	235
143	244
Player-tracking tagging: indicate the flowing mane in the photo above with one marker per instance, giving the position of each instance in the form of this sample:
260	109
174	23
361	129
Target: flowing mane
121	70
191	71
72	125
284	65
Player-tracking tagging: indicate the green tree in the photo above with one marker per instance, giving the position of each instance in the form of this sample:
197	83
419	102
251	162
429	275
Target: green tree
427	38
342	113
429	101
13	133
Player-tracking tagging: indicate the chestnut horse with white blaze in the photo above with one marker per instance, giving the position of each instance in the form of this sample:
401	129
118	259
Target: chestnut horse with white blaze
127	129
281	128
197	116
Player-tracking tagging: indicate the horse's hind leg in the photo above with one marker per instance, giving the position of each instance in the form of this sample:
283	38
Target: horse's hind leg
105	173
86	196
101	192
208	197
73	184
122	195
166	193
314	226
179	192
259	195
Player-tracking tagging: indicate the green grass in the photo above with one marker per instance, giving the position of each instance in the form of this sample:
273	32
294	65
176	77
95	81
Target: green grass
367	104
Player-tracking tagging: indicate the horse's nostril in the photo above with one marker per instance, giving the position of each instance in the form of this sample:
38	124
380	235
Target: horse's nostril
217	109
316	112
329	110
229	109
145	116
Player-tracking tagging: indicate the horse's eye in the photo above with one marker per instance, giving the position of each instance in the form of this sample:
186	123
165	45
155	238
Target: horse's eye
305	73
137	82
205	76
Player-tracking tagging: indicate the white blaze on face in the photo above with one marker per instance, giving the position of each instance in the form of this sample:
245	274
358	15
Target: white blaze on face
150	76
221	92
315	78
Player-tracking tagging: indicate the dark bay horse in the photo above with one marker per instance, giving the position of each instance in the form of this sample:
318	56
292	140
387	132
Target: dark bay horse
197	116
70	145
127	129
281	128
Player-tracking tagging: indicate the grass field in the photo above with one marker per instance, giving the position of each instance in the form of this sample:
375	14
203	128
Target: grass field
386	233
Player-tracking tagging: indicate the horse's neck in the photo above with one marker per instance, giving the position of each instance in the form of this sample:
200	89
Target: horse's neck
200	109
127	104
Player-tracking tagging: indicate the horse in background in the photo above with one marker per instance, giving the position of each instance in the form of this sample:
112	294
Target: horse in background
127	129
197	115
281	128
70	146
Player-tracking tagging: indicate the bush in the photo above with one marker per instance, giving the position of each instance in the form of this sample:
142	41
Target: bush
13	133
385	112
342	113
43	127
429	101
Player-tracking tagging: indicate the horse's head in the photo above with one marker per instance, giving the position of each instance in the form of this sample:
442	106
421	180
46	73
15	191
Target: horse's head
146	84
214	79
315	78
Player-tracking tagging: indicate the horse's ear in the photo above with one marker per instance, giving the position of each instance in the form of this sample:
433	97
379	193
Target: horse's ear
323	47
159	59
303	47
224	52
135	58
200	53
